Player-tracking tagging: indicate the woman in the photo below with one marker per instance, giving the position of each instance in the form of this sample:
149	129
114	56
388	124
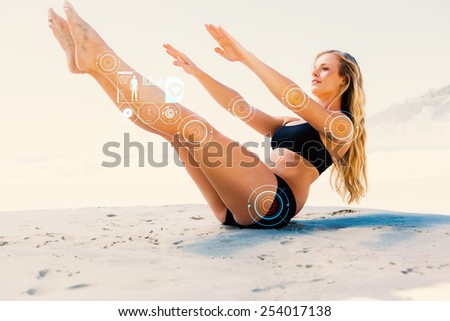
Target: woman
329	131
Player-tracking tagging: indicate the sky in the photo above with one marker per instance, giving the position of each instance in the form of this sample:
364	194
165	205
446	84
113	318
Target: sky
54	124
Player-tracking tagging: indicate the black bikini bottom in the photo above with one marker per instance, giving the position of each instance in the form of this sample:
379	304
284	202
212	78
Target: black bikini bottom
281	212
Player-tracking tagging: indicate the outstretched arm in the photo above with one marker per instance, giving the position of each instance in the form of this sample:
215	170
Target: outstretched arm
284	89
228	98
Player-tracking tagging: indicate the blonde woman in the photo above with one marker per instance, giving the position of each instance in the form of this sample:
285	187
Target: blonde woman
240	189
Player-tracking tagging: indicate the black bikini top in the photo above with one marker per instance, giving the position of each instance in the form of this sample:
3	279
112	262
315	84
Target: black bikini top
305	141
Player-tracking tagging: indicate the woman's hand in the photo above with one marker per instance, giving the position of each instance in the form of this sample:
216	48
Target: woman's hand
230	48
181	60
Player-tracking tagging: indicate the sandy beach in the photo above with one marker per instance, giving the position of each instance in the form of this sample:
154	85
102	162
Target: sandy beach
181	252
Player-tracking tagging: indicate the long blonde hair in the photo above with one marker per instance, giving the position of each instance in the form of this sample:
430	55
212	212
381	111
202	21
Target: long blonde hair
350	171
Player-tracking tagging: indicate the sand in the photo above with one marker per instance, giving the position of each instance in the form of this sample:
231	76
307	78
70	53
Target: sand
181	252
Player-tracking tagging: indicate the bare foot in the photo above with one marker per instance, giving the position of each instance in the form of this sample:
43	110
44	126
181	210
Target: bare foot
61	32
88	44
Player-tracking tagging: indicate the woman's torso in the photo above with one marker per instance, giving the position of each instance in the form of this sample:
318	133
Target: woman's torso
297	171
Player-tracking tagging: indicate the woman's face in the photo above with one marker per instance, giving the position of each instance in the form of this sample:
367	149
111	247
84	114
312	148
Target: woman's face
326	80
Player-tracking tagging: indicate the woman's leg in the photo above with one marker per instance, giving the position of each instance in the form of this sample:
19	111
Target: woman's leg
245	184
192	167
62	33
